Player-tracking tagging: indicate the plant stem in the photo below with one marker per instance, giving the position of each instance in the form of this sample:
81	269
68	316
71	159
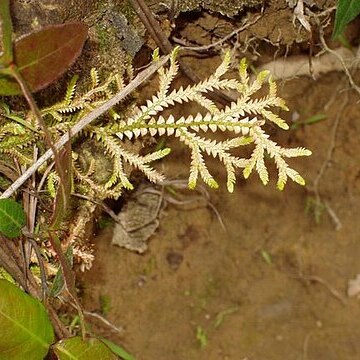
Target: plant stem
14	71
86	120
69	279
11	261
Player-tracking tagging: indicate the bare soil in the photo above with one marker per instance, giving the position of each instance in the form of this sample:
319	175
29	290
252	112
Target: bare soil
273	285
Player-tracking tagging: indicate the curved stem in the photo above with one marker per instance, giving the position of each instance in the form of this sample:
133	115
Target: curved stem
14	71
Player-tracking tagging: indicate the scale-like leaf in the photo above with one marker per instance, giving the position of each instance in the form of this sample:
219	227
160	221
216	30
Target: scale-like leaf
26	331
347	10
12	218
77	349
44	55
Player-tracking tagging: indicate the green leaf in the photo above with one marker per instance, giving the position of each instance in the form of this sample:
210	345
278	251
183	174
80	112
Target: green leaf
77	349
118	350
44	55
12	218
347	10
6	51
309	121
6	276
266	256
59	281
26	331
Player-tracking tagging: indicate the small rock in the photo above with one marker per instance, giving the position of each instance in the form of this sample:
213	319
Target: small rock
174	259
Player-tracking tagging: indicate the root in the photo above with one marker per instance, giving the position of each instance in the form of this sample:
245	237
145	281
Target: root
296	66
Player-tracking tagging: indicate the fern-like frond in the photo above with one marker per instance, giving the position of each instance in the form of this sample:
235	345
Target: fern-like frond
241	123
103	155
70	91
246	117
94	78
52	182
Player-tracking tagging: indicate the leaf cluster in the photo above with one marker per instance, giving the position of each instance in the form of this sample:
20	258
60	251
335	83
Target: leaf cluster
29	334
241	123
346	11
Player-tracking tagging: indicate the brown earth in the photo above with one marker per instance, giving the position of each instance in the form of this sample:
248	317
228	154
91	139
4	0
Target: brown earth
273	285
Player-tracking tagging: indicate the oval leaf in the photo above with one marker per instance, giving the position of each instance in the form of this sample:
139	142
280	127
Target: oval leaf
44	55
77	349
26	331
12	218
347	10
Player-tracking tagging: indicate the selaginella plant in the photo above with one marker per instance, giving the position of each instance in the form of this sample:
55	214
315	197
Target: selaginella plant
241	122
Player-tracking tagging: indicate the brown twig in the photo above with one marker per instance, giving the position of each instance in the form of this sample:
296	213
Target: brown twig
8	262
14	71
69	279
306	346
106	208
97	316
105	321
323	282
325	164
339	57
219	42
165	46
33	245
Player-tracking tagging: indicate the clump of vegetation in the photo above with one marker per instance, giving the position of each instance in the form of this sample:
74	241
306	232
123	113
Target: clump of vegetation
57	236
242	121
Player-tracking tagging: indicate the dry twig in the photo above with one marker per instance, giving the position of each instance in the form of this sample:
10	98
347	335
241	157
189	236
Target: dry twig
306	346
323	282
219	42
326	163
164	44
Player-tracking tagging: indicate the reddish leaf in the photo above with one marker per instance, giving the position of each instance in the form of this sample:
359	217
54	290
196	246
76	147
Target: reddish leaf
44	55
64	190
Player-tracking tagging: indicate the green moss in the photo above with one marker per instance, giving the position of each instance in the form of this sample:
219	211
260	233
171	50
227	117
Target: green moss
226	7
105	304
102	34
127	10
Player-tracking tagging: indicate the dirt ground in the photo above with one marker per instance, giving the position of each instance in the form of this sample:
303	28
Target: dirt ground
273	286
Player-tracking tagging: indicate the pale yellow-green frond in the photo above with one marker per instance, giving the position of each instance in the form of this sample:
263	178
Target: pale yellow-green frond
243	74
52	182
140	163
231	178
206	103
94	75
261	168
272	87
258	82
70	91
224	66
240	123
167	76
295	152
275	119
156	54
198	166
